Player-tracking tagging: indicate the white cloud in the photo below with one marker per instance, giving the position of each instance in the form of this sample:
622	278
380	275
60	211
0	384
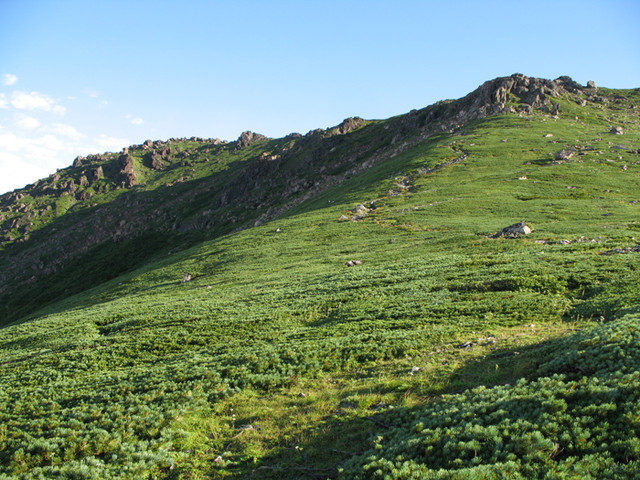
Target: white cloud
134	120
66	131
36	101
25	121
3	101
9	79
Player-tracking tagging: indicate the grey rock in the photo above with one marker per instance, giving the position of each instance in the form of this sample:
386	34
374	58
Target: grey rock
514	231
564	154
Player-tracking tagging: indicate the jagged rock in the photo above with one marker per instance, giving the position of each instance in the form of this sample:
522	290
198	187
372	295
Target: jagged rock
186	278
514	231
347	125
565	154
591	84
248	138
77	162
97	174
83	181
145	146
616	131
127	171
555	110
156	161
71	187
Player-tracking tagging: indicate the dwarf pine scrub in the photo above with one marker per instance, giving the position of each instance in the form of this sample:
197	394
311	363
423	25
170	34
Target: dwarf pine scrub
556	426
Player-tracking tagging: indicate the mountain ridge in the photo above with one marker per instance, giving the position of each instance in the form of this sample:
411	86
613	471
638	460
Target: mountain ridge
269	176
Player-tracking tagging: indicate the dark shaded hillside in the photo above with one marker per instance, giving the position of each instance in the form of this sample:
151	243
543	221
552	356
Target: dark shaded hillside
110	213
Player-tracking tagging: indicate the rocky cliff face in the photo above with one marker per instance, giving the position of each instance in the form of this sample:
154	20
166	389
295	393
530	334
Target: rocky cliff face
163	189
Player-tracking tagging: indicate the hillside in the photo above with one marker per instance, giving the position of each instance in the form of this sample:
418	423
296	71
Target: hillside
354	307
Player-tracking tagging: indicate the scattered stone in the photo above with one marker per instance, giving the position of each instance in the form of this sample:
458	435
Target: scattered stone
219	460
616	131
414	370
302	394
524	177
548	135
514	231
186	278
278	230
352	263
466	345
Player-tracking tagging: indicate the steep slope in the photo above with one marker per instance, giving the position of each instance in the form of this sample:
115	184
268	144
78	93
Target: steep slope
279	360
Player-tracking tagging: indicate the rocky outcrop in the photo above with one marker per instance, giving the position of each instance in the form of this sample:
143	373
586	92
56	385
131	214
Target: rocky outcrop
347	125
97	174
156	161
248	138
128	175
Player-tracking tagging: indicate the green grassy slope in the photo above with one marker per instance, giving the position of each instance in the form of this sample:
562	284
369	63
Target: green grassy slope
279	361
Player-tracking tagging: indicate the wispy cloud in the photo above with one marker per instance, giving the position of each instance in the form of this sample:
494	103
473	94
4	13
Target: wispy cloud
25	121
9	79
36	101
134	120
3	101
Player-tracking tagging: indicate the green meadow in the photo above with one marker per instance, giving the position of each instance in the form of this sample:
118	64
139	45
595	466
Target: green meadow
444	353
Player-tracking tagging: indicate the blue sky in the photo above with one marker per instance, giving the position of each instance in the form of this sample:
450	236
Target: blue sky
89	76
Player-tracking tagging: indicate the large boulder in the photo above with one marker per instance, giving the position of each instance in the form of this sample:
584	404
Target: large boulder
514	231
565	154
